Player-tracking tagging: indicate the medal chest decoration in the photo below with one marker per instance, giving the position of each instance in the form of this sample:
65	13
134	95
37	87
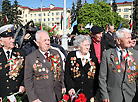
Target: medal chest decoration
75	67
92	69
132	67
16	64
43	72
56	66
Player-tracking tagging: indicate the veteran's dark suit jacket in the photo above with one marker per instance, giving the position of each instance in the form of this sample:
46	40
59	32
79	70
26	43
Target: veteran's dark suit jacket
110	40
87	86
113	85
8	85
39	78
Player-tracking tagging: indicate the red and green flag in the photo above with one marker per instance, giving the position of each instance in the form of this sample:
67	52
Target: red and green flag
53	28
6	20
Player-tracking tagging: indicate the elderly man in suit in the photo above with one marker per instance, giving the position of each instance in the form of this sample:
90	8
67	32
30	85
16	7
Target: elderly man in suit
44	77
11	64
118	74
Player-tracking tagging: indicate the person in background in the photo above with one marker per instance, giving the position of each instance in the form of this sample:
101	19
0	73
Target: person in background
117	75
81	69
133	41
44	76
98	44
11	65
109	37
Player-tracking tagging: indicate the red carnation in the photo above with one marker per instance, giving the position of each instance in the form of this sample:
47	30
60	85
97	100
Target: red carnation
84	100
78	100
65	97
81	96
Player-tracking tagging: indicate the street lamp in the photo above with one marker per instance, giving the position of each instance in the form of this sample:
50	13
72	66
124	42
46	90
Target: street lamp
64	37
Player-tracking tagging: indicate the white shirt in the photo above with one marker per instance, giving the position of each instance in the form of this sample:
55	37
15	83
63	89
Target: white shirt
5	51
83	59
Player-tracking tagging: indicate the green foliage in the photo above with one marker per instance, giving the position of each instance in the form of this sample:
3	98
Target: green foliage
45	27
6	11
99	14
16	14
135	17
114	6
125	23
98	1
73	13
78	7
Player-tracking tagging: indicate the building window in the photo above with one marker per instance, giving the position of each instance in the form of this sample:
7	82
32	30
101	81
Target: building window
26	20
34	15
57	13
52	14
39	14
125	9
48	14
31	15
125	16
44	14
57	24
25	15
39	20
57	19
48	19
48	24
52	24
44	19
119	10
35	20
52	19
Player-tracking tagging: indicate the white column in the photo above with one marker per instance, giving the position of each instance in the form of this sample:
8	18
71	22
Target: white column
64	37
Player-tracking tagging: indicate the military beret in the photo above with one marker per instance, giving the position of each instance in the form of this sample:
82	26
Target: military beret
97	29
6	30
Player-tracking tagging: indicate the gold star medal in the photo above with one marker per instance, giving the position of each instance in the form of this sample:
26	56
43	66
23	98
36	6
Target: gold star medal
119	71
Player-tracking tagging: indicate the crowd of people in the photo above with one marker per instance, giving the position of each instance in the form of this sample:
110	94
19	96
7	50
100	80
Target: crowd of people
103	66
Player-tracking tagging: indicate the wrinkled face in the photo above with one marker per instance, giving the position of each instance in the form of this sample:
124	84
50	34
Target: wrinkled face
133	42
7	42
43	42
98	36
125	42
84	48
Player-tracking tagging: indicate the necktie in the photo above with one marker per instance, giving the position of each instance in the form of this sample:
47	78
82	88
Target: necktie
122	61
8	53
47	56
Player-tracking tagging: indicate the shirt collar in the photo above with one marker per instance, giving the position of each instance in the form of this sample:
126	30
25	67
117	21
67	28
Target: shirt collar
95	41
79	56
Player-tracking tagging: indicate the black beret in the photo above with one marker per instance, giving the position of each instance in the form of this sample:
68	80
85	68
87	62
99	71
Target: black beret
97	29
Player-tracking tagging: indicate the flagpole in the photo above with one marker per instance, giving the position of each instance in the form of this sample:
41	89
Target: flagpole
64	37
41	14
132	16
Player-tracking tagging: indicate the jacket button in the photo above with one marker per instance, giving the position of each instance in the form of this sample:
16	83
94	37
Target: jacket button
82	89
81	82
7	81
7	87
82	75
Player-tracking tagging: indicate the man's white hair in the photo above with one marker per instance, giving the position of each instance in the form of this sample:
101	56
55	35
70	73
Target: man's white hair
38	32
120	32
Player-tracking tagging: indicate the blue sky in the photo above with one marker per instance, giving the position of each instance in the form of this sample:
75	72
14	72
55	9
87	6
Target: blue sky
57	3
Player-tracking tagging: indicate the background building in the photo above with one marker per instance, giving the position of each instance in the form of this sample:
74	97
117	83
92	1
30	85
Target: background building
124	9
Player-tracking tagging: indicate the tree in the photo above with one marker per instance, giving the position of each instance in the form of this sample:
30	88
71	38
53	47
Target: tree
6	11
45	27
73	13
135	17
114	6
78	7
99	14
16	14
97	1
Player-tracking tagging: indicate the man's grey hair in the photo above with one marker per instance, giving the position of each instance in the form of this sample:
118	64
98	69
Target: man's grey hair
120	32
79	39
37	34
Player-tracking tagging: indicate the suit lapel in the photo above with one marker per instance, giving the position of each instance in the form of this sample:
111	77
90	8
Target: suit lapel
43	60
113	56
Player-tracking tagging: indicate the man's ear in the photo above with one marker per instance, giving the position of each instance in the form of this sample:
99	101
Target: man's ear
118	40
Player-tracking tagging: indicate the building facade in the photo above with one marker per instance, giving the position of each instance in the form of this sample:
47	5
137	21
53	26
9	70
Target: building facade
124	9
